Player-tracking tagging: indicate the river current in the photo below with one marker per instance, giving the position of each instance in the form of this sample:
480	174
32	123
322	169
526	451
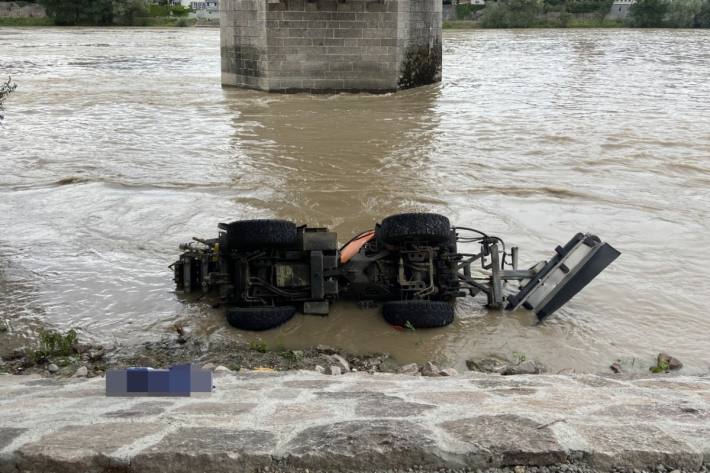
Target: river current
119	144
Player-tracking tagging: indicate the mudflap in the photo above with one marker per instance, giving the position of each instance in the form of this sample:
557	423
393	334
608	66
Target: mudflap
568	272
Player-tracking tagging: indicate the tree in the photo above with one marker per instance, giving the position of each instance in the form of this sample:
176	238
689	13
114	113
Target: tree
682	13
127	12
79	12
648	13
702	19
511	14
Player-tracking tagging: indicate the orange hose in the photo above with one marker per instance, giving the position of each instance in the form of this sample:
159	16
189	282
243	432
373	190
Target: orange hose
352	248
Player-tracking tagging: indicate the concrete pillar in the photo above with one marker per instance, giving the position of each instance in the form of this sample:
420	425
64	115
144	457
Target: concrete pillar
330	45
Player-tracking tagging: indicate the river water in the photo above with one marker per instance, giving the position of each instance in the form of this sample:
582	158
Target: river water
120	143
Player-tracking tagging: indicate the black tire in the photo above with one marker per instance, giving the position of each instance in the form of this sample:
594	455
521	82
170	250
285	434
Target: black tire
259	318
420	314
256	234
422	227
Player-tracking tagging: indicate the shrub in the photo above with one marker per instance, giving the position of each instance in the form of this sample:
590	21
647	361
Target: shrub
258	345
682	13
129	12
511	14
648	13
167	10
53	343
79	12
466	11
702	19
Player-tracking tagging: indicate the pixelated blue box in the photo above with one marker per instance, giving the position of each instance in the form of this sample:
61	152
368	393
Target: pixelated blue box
179	380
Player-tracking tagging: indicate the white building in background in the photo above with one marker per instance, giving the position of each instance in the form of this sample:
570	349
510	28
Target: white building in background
206	9
620	9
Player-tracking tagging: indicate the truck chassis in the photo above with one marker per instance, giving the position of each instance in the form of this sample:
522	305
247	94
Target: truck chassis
264	271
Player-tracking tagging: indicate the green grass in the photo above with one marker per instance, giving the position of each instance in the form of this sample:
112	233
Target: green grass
591	23
146	21
258	345
572	23
27	21
661	367
55	344
519	357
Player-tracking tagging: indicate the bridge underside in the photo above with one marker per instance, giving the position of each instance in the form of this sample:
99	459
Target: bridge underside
330	45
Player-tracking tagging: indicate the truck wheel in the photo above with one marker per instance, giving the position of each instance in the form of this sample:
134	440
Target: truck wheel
424	227
255	234
418	313
259	318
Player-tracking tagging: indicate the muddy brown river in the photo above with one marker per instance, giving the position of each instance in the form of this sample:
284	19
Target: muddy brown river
120	143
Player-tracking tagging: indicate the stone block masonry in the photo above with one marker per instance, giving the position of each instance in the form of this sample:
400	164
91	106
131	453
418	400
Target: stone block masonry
330	45
304	421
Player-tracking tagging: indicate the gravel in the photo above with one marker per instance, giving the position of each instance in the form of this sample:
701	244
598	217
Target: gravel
562	468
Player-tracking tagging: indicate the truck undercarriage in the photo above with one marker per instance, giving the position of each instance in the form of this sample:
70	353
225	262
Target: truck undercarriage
264	271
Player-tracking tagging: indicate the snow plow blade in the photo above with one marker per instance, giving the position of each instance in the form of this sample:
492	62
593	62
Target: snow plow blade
567	273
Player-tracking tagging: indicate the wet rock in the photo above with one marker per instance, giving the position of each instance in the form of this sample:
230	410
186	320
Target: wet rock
237	450
520	469
142	409
97	354
487	365
615	367
448	372
358	445
81	348
81	372
222	369
664	359
183	331
16	354
411	369
208	366
526	367
514	440
52	368
387	366
319	369
7	435
335	370
340	361
641	444
326	349
390	406
429	369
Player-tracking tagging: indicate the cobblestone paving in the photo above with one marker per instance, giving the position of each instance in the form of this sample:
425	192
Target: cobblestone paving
299	421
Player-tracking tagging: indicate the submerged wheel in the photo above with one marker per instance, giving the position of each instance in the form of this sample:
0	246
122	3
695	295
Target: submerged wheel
259	318
266	233
418	313
424	227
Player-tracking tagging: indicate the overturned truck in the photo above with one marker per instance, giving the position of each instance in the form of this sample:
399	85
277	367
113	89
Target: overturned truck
264	271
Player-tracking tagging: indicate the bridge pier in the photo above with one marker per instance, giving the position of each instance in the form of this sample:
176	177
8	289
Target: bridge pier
330	45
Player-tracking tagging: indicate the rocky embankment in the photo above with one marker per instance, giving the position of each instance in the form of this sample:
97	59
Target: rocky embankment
62	355
306	421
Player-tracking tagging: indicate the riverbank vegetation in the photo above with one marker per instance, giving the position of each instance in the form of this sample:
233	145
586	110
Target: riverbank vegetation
105	13
580	14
